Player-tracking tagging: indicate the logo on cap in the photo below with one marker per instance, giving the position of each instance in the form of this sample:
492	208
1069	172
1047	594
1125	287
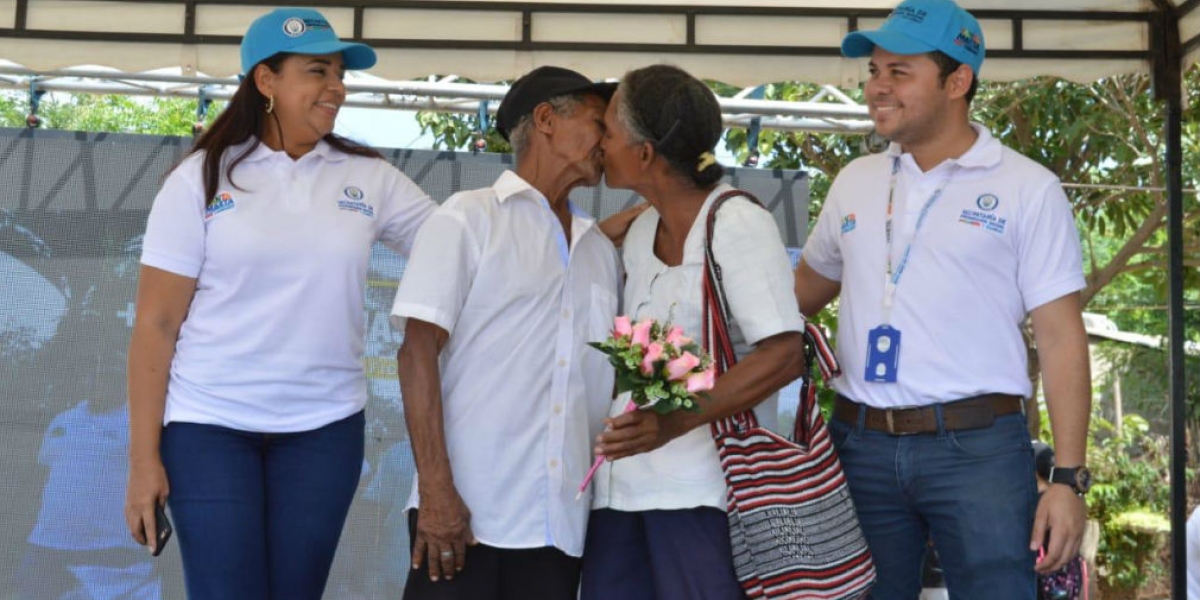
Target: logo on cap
915	15
968	40
294	27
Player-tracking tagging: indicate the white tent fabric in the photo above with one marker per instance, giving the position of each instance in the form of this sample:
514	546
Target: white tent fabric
603	39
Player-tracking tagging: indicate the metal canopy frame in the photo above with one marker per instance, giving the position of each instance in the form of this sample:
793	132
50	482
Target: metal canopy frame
530	10
1165	54
827	111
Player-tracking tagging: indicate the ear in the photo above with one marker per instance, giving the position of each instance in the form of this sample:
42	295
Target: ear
544	118
264	79
959	82
646	154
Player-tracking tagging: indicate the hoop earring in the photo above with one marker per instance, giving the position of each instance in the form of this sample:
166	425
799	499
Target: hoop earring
270	103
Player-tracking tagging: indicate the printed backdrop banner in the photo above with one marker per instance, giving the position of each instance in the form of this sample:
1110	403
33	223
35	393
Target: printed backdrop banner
72	211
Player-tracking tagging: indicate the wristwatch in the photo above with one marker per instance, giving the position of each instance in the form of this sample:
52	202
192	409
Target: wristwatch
1078	478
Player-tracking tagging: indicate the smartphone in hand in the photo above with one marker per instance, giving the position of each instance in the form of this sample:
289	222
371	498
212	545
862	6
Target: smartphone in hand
163	525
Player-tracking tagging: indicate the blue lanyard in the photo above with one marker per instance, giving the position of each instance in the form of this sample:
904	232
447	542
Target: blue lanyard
893	277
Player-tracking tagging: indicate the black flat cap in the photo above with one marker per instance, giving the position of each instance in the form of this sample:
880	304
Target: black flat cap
540	85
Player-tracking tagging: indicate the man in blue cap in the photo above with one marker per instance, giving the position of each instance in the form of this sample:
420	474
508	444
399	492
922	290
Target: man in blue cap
940	248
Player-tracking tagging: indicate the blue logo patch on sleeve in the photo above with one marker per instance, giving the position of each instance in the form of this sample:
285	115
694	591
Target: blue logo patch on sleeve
849	222
222	202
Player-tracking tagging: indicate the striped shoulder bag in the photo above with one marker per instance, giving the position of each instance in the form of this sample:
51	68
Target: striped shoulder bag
792	524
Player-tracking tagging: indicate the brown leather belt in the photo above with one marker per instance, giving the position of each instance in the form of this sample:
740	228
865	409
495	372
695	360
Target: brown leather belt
975	412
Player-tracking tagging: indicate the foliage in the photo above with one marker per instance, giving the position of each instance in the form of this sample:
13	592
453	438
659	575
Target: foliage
1145	384
461	132
1129	499
107	113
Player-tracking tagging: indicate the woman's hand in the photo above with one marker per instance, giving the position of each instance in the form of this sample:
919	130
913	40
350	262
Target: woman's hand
146	489
638	431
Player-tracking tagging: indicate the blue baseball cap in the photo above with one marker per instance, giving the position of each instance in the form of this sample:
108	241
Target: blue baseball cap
299	31
920	26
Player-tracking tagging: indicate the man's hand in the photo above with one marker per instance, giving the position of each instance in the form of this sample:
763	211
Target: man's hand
636	432
1062	513
443	534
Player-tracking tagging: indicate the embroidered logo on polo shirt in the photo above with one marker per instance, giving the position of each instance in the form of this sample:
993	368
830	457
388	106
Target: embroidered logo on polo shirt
983	219
222	202
849	222
987	202
354	202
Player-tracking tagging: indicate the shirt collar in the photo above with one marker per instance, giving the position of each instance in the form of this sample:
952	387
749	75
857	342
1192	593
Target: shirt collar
263	152
511	185
983	154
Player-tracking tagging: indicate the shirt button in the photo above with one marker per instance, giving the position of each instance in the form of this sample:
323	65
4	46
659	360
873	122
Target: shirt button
558	409
562	362
566	314
554	463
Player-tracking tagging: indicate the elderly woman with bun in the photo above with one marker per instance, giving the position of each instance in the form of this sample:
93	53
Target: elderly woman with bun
246	383
658	529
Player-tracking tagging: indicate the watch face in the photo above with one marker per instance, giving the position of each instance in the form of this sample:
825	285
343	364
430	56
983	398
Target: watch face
1083	479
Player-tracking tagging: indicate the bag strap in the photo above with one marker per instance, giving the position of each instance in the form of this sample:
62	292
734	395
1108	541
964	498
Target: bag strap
715	315
816	350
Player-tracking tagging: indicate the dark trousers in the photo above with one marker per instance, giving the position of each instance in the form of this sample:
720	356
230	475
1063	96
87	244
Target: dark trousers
659	555
258	516
491	573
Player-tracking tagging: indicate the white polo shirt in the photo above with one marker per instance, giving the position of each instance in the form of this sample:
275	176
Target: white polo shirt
273	340
999	242
686	472
523	396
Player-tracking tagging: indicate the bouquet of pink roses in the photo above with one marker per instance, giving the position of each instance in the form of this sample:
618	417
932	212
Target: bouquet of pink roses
662	368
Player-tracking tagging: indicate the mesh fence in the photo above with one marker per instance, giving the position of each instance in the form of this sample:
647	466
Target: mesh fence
72	210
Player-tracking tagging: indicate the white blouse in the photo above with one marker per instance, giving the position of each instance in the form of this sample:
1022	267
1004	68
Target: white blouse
686	472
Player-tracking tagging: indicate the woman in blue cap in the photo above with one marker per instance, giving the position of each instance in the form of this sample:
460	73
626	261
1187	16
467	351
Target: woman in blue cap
246	385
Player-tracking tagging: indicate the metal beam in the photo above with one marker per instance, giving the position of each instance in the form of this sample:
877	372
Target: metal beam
1167	53
528	12
842	115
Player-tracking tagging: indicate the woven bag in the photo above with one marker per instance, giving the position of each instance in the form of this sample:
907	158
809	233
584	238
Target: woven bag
792	523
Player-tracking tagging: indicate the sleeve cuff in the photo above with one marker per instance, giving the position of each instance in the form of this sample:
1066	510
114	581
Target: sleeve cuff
402	312
186	268
1053	291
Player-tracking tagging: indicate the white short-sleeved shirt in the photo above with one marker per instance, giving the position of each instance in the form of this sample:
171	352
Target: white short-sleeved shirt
686	472
273	340
1193	555
999	242
523	396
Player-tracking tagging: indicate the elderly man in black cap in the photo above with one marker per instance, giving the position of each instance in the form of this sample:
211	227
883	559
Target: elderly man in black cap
505	286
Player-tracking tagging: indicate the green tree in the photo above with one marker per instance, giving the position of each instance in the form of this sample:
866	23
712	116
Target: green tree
107	113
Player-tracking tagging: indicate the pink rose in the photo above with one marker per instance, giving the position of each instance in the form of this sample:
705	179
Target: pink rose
679	368
654	351
622	327
641	332
676	338
702	381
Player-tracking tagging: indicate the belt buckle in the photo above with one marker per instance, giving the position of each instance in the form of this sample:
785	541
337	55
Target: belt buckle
891	423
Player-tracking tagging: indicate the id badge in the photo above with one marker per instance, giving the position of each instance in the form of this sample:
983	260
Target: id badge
883	354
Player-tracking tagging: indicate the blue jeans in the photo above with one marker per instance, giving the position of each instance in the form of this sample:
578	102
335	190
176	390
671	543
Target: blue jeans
258	516
972	491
